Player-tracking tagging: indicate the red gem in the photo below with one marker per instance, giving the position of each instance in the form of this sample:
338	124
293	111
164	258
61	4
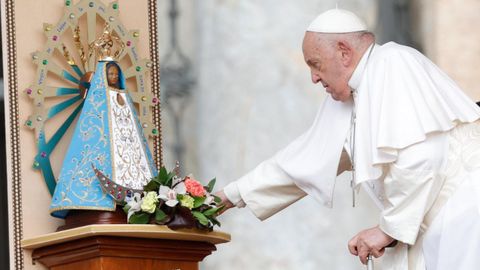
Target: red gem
155	100
108	182
112	192
119	196
54	38
129	43
119	189
29	91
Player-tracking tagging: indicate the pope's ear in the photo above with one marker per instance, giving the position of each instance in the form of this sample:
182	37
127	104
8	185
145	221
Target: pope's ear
346	53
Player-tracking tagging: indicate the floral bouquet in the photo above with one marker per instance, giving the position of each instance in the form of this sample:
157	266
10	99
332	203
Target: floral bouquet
174	201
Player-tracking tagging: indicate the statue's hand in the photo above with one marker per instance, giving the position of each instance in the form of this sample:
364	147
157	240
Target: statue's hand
225	202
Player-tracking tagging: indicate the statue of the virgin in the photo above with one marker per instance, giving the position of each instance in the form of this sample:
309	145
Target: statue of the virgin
108	154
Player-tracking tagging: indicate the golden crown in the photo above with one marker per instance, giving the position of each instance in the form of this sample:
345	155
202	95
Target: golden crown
107	47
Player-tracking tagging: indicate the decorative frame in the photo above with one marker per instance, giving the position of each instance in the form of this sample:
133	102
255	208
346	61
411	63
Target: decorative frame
13	120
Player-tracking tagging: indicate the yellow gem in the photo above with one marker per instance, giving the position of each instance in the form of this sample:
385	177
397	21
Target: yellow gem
48	28
39	91
136	34
144	98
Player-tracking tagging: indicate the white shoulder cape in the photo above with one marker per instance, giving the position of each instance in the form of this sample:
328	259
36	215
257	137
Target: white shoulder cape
401	98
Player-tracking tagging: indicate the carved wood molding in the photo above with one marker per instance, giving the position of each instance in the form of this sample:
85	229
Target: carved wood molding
118	248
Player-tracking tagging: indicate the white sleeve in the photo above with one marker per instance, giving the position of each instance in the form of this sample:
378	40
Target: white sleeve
411	186
233	194
265	190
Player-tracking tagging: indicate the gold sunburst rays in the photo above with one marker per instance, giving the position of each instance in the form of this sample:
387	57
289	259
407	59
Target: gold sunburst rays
94	11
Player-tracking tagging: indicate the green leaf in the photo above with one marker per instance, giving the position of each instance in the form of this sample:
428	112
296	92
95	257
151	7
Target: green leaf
160	216
198	201
126	208
210	185
139	218
162	176
169	176
217	199
200	217
151	186
212	211
215	221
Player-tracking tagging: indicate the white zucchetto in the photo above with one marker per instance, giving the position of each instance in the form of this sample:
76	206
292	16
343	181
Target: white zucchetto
337	21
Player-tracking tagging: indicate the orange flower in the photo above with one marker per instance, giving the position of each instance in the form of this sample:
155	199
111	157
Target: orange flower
194	187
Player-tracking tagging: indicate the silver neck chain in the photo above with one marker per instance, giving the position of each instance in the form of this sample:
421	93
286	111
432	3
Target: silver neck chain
353	125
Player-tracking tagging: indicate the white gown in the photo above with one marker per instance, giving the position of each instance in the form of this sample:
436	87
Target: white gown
452	240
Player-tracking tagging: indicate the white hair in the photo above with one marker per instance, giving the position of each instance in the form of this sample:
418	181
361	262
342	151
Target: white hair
357	40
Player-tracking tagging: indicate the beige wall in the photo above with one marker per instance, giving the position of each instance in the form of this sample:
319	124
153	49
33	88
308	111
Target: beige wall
30	16
448	30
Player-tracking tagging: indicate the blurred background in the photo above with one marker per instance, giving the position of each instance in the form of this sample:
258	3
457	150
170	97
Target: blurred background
235	90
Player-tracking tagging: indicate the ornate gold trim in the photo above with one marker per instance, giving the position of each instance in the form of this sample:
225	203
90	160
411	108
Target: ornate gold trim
155	75
13	116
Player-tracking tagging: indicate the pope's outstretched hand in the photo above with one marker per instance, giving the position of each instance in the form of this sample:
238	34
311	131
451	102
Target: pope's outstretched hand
225	201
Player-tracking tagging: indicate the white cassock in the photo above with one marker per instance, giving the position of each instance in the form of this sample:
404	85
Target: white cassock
417	153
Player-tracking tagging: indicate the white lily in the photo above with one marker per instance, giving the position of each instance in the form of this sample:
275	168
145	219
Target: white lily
135	204
209	199
170	195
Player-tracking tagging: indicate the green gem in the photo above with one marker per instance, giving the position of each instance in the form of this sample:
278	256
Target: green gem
67	3
138	68
45	62
90	4
154	131
115	6
36	164
29	123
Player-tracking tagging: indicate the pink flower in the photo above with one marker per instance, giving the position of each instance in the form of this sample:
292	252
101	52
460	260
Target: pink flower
194	187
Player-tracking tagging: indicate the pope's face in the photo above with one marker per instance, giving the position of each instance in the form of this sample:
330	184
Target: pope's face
326	66
112	75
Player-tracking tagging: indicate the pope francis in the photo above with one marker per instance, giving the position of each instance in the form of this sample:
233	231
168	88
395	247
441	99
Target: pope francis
410	136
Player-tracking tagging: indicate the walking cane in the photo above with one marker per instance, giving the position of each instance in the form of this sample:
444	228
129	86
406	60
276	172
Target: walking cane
370	262
370	257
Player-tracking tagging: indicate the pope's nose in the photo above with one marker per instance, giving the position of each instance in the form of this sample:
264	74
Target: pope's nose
315	78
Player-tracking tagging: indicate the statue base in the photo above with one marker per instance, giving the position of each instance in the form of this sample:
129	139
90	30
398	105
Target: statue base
79	218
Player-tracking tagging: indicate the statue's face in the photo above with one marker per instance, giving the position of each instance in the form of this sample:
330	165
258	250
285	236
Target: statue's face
112	76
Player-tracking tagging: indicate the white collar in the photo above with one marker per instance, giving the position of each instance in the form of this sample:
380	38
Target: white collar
357	74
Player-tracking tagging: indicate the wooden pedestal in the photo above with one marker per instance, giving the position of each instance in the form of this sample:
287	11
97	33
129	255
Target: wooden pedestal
124	247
